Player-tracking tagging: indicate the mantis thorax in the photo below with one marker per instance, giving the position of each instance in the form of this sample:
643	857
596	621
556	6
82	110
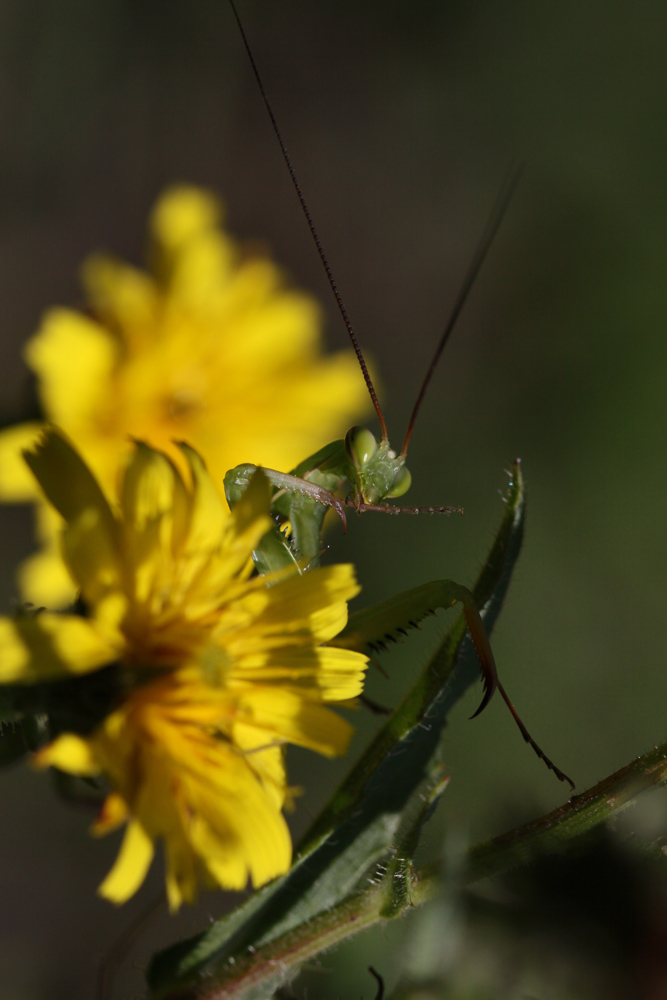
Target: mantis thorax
378	473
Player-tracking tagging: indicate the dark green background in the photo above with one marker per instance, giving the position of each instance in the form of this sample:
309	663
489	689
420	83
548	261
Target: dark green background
402	121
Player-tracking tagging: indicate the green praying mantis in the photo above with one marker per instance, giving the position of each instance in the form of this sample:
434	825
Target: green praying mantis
362	473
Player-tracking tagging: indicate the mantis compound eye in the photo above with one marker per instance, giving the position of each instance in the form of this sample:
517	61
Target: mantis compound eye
360	444
401	483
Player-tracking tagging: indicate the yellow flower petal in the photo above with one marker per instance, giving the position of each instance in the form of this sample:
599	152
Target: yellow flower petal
90	540
91	553
199	279
317	673
72	356
16	482
45	646
265	759
149	486
68	753
183	875
215	811
45	577
114	813
313	604
254	844
122	296
131	865
284	715
208	511
66	480
181	213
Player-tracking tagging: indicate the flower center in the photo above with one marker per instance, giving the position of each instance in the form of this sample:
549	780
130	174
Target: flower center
183	403
215	664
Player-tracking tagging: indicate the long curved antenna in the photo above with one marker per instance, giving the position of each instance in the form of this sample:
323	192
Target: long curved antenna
313	231
483	247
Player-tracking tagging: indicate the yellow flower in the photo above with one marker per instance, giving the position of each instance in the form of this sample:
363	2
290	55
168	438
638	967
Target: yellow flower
220	668
208	347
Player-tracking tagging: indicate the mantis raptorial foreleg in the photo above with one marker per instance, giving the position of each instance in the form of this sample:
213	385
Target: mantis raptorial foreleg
303	497
369	630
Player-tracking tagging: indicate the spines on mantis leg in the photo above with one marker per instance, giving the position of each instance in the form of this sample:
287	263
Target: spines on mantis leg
372	628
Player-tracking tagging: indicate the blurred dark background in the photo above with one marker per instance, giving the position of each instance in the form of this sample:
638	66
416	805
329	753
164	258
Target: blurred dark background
402	120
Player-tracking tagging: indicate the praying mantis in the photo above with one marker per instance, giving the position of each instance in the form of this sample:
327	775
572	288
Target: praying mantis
362	473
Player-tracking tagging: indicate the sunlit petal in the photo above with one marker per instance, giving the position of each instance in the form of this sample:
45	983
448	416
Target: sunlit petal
131	865
68	753
16	481
41	647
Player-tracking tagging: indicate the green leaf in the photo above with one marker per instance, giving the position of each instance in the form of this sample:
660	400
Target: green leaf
372	821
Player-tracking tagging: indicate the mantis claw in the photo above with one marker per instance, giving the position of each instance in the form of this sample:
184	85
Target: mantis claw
488	694
483	649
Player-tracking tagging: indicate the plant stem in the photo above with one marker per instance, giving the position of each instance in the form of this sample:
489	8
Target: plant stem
579	815
366	907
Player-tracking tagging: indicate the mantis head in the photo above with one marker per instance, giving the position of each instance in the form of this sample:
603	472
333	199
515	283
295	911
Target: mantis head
376	471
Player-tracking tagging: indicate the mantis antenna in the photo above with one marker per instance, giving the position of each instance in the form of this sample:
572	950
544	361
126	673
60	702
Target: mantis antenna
313	230
483	247
492	226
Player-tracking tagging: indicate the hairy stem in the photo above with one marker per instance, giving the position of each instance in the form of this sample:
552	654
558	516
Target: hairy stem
368	906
